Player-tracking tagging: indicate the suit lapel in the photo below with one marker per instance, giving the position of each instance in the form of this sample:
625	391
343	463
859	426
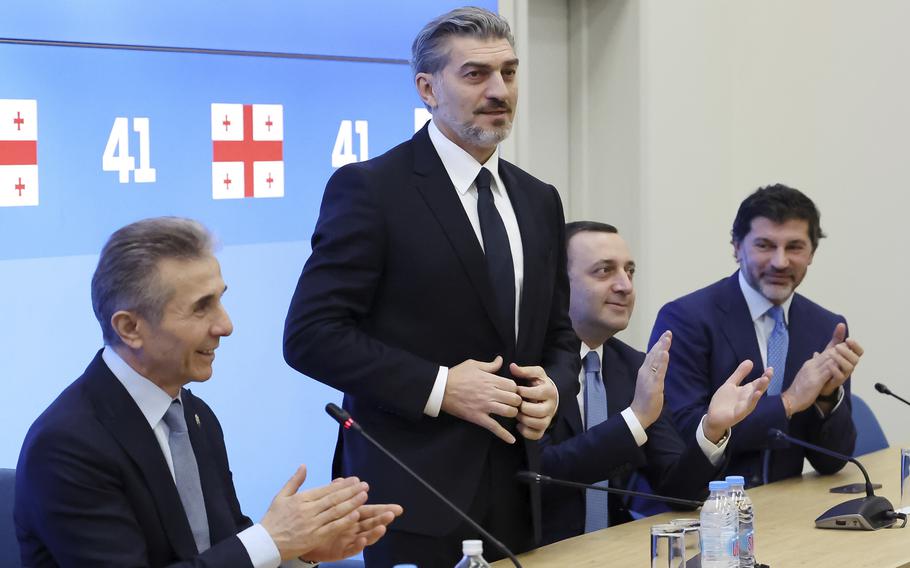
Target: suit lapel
119	414
803	341
569	409
437	190
615	371
737	325
531	247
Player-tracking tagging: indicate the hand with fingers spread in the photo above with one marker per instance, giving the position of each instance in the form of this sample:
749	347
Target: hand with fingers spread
733	401
649	386
539	401
322	521
474	392
842	354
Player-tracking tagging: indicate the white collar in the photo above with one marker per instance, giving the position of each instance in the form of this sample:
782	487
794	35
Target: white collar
758	304
151	400
461	166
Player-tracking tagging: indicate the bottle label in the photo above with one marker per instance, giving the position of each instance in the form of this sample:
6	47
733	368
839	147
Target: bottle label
748	543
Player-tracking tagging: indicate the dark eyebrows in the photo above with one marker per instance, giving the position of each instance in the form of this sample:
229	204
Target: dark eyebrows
486	66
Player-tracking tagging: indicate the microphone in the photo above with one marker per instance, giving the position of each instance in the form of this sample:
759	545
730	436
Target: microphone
347	422
885	390
867	513
532	477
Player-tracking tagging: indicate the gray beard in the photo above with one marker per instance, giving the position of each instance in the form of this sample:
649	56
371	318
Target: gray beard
485	138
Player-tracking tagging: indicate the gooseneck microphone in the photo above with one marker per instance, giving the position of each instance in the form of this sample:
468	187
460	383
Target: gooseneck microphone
885	390
532	477
347	422
865	513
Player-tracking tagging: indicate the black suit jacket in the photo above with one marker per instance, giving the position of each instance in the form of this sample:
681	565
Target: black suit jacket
608	451
713	333
396	286
94	489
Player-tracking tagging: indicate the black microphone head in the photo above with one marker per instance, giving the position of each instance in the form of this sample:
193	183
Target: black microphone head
882	388
343	417
336	412
527	477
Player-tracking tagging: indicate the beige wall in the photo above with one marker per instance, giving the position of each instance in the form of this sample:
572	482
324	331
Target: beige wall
674	111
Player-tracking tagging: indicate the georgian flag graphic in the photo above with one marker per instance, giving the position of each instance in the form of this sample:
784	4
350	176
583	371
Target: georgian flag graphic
18	152
247	151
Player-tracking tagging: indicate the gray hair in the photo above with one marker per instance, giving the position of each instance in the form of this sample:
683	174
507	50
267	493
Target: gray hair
126	277
429	53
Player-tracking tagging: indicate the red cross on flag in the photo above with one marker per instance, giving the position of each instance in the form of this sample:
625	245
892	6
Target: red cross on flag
247	149
18	152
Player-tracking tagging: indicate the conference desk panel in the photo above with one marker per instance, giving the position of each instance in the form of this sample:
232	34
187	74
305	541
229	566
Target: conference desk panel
785	533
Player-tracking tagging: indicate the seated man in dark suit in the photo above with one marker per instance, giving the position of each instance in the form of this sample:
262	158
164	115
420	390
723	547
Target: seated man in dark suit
755	314
611	424
128	468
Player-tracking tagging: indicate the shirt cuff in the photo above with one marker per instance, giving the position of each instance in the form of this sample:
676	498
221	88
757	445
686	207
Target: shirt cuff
641	437
298	563
840	399
260	547
434	403
712	451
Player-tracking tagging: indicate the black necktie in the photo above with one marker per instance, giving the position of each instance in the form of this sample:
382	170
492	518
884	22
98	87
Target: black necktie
497	251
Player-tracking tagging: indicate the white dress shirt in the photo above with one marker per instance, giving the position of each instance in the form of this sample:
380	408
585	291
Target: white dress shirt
153	403
712	451
764	325
463	169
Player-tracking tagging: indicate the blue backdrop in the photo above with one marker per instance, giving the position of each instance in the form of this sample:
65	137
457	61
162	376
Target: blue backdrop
272	416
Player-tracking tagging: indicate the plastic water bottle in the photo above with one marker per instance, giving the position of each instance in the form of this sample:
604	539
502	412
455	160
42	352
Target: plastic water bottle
719	528
473	555
743	506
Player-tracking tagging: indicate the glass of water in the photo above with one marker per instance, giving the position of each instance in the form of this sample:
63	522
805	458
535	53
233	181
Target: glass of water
668	546
905	481
690	536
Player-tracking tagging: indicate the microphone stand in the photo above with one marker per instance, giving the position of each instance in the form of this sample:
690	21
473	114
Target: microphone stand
347	422
868	513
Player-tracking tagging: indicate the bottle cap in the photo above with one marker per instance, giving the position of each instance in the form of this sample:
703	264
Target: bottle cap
472	547
718	486
736	481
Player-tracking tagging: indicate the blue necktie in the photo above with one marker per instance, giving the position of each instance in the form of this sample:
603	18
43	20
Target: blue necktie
777	349
497	251
186	475
597	512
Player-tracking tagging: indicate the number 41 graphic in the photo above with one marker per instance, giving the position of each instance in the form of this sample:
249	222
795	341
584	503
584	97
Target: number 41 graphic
116	157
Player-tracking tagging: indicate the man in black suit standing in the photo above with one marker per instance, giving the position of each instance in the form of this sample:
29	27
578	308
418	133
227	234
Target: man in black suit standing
612	427
436	299
128	468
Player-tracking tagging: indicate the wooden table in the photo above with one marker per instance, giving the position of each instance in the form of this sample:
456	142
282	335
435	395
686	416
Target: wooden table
785	533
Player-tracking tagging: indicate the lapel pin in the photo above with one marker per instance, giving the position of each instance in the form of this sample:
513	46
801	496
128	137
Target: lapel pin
198	422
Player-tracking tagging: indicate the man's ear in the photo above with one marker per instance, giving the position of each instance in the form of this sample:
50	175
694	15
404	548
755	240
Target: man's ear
126	325
424	84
